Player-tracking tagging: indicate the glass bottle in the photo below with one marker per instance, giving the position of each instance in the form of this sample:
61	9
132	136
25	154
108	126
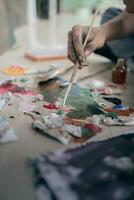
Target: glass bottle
119	73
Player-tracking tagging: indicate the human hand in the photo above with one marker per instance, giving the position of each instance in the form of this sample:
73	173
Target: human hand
76	38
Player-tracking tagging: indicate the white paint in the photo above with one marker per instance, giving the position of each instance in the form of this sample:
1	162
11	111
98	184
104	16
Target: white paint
53	120
73	130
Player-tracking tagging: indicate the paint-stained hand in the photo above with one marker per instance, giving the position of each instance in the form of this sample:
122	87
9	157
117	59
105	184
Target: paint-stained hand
76	39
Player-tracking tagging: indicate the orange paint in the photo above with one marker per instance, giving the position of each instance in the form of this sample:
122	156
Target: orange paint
14	70
126	112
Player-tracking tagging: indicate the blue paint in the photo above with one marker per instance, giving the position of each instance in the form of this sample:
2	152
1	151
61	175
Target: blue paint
119	107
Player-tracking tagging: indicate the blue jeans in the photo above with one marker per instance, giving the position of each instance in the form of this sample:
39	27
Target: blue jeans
122	48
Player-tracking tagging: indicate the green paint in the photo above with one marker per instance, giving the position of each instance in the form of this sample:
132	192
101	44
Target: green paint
59	112
80	99
111	115
86	132
50	90
83	104
23	80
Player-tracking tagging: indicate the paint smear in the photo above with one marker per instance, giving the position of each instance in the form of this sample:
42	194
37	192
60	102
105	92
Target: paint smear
51	106
82	108
93	128
126	112
113	100
14	89
84	105
14	70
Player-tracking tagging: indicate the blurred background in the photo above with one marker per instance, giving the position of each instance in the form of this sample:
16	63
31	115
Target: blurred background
29	22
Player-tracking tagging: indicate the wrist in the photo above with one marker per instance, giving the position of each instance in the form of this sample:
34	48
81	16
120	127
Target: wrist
104	33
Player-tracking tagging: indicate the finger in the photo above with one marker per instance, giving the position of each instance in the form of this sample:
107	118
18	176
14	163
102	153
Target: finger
71	51
89	49
77	42
83	64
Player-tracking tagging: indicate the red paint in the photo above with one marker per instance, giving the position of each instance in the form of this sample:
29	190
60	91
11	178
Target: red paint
54	107
94	128
14	89
50	106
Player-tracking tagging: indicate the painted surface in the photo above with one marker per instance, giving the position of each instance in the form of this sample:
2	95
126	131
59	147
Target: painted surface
15	89
79	99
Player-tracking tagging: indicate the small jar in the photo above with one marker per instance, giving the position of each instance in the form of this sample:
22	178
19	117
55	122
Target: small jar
119	73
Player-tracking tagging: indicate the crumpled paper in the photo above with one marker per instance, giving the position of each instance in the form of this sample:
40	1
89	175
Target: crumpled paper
6	131
26	105
5	99
118	121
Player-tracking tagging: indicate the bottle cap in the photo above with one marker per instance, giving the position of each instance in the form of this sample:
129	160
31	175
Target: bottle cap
121	62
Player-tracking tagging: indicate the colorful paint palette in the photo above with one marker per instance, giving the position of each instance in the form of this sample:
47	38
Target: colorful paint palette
14	70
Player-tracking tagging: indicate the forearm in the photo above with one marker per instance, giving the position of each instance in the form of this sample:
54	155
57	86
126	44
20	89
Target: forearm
119	27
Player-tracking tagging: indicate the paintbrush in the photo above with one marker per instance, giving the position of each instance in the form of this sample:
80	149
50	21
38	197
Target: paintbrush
76	66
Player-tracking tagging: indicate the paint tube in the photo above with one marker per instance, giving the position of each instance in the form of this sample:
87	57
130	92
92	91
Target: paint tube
53	120
54	126
107	91
73	130
118	121
56	133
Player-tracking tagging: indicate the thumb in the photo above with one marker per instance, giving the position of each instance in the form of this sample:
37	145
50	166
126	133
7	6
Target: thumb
90	48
